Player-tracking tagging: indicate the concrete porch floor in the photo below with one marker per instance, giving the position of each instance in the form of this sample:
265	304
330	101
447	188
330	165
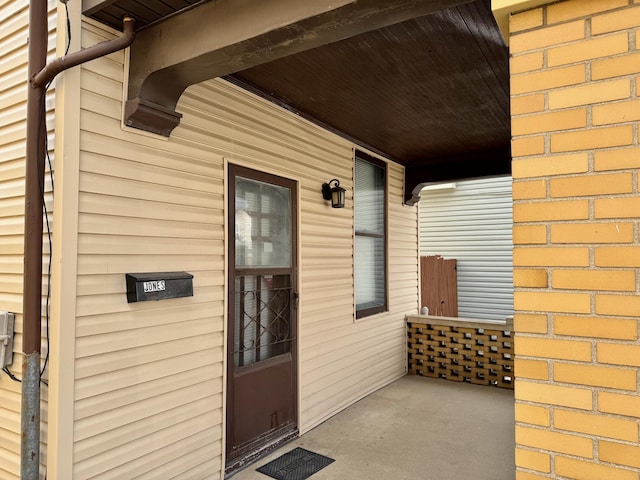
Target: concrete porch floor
415	428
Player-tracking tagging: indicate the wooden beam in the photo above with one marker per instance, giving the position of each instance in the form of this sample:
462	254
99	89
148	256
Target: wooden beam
224	37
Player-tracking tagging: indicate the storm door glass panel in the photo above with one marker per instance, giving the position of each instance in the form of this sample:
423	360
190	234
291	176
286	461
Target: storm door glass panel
263	224
263	291
263	318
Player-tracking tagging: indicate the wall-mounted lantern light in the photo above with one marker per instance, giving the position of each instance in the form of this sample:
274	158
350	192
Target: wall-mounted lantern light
336	193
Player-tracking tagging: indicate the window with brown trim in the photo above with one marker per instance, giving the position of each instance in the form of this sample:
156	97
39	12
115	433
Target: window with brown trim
370	213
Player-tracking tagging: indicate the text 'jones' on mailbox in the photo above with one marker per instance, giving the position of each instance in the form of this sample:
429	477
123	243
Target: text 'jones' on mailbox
158	286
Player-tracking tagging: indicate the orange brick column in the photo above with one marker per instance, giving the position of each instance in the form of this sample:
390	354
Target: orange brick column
575	105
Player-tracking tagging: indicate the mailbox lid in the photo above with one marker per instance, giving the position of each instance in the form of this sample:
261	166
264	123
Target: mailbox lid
144	277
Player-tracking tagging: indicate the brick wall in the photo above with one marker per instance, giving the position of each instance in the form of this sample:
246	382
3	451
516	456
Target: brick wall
575	86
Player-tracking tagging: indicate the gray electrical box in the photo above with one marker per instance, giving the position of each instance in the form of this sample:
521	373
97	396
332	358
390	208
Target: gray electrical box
7	320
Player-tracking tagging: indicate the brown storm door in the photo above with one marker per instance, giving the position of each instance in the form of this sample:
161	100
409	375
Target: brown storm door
261	358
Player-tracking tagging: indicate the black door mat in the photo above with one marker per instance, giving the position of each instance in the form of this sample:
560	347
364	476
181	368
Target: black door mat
298	464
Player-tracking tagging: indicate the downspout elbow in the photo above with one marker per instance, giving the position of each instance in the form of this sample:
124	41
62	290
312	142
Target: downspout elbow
50	71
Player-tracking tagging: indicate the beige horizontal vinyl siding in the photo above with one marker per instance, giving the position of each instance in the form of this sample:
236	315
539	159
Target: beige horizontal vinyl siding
14	19
340	360
343	360
149	389
148	376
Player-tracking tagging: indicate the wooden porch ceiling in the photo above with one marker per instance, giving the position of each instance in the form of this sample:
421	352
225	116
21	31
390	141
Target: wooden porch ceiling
431	93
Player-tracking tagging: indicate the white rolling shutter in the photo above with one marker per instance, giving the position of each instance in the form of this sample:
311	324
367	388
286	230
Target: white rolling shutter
473	224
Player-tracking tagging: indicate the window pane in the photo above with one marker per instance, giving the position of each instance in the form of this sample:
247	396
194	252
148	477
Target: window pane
263	224
369	198
370	243
369	279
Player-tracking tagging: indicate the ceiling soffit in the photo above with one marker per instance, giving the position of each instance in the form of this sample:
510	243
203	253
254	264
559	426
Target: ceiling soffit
422	82
431	93
223	37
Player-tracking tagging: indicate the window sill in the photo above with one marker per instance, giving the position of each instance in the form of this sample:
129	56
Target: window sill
372	316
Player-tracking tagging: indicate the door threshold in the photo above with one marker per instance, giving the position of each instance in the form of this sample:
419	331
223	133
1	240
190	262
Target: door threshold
239	464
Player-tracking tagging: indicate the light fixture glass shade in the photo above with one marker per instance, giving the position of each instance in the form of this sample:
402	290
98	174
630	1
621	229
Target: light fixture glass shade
337	197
